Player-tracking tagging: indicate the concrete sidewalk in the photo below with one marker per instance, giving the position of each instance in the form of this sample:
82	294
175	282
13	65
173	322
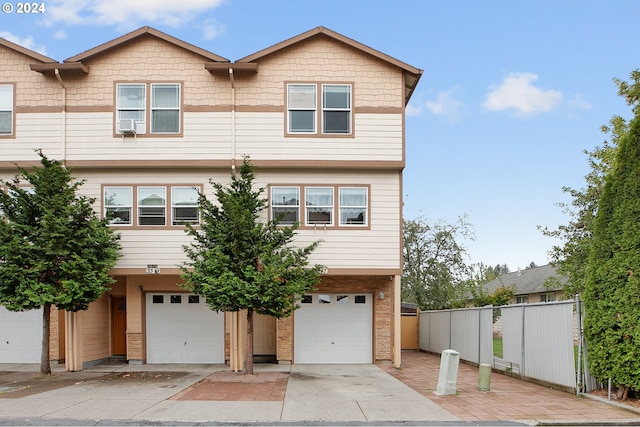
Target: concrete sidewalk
119	394
327	394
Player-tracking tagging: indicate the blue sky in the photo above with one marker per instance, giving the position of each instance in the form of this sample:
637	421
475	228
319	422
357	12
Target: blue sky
511	95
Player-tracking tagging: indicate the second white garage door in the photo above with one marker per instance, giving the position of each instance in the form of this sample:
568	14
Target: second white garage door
334	328
182	329
20	336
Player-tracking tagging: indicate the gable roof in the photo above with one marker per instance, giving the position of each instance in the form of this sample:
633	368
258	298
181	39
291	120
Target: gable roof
412	74
141	32
23	50
528	281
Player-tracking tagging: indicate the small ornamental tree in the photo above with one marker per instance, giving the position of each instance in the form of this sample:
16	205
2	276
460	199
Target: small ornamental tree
239	263
612	291
54	250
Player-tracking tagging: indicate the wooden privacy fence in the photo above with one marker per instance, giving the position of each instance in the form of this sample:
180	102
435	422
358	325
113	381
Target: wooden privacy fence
536	340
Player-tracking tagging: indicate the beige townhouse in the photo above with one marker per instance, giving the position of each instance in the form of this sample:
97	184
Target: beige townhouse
147	120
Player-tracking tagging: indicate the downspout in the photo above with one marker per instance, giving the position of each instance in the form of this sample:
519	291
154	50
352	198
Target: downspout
64	115
233	120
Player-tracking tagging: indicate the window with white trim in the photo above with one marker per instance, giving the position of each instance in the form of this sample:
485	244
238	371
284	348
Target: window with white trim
319	205
305	100
131	102
547	297
165	108
160	108
353	206
336	109
301	107
522	299
6	110
151	205
118	205
285	204
184	205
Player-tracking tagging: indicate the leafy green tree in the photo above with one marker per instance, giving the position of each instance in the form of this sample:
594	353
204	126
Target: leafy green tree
435	266
612	291
239	263
54	250
571	256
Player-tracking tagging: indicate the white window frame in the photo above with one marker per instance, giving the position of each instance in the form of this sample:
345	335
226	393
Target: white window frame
8	106
522	299
547	297
140	125
153	189
175	220
343	208
118	207
177	108
276	207
326	109
296	104
319	208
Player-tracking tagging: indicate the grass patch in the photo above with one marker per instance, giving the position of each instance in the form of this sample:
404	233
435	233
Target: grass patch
497	347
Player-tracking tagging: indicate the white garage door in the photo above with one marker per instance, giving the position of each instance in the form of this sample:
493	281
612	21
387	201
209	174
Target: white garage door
334	328
20	336
182	329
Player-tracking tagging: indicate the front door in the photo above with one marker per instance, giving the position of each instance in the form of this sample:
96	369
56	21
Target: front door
119	325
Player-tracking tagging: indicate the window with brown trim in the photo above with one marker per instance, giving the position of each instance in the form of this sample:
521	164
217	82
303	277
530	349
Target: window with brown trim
161	108
151	205
322	205
328	104
6	110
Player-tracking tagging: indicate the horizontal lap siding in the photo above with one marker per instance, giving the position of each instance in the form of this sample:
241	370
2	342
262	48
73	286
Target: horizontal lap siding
33	131
378	137
90	137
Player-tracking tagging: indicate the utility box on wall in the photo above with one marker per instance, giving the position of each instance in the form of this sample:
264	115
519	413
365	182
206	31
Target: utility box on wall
448	378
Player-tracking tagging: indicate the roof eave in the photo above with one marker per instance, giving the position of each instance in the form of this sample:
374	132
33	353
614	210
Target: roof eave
141	32
61	67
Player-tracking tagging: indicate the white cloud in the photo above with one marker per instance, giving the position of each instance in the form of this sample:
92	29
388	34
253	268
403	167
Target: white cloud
60	35
126	14
518	92
27	42
445	103
211	29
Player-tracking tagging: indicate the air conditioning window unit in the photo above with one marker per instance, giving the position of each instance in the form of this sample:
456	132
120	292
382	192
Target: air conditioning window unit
127	126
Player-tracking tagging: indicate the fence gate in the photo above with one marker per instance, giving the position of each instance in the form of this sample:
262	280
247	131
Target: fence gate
410	336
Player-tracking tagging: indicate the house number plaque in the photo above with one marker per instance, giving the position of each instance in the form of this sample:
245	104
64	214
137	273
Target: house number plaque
153	269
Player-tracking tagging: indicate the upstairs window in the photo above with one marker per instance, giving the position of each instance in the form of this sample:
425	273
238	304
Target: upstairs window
158	104
319	205
184	205
146	205
285	204
329	104
301	105
131	101
118	205
165	108
6	110
353	205
152	205
336	109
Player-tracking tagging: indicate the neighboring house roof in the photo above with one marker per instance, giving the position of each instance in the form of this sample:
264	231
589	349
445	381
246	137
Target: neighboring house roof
23	50
141	32
528	281
412	74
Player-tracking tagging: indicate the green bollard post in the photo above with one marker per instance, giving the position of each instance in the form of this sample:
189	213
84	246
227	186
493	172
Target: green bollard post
484	377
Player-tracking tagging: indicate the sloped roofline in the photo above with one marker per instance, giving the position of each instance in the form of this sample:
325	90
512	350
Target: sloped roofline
410	83
23	50
141	32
